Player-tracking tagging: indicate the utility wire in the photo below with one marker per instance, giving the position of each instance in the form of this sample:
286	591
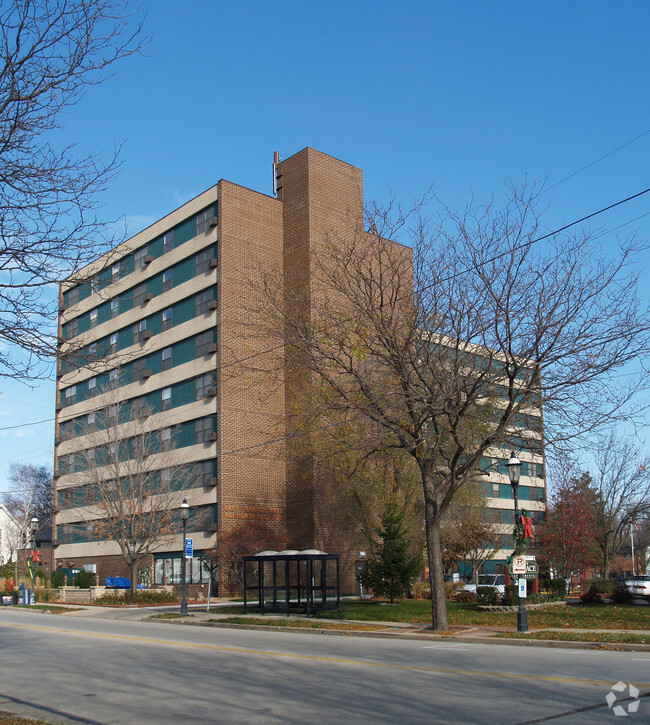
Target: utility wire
593	163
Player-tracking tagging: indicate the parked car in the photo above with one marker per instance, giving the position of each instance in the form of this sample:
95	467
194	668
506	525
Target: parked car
498	581
639	586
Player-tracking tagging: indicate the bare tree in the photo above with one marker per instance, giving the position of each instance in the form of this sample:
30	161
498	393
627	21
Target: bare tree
32	492
50	52
443	352
468	532
621	484
131	491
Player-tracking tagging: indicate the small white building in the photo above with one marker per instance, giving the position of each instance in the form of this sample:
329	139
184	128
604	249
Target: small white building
10	539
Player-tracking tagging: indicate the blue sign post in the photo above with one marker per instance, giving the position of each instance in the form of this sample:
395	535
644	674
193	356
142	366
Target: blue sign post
189	548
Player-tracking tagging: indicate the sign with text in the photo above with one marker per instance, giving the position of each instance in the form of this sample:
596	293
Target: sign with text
189	548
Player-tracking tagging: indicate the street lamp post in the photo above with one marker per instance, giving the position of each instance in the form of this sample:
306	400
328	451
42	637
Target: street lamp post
185	512
33	526
514	472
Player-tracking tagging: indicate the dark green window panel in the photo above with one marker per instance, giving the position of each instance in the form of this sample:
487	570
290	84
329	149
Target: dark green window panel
183	352
154	285
155	248
104	313
125	338
183	393
183	271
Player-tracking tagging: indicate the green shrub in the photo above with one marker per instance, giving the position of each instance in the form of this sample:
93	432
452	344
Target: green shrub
140	597
85	579
487	595
622	596
596	589
556	588
422	590
604	587
58	578
512	595
466	597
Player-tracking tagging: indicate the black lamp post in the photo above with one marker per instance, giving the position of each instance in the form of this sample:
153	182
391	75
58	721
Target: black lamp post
33	526
514	472
185	512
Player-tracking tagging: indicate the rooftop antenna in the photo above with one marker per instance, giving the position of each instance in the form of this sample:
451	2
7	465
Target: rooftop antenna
276	161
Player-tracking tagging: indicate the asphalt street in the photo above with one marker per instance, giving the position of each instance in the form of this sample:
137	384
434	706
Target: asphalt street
70	669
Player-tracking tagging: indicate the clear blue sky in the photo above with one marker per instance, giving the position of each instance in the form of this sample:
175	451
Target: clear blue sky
455	95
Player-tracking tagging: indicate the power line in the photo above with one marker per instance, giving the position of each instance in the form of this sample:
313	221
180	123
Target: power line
593	163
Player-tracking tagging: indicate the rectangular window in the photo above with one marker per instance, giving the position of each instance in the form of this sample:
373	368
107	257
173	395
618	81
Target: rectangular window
92	351
201	385
168	241
166	439
73	296
137	369
93	318
115	272
201	219
166	358
139	294
139	330
90	422
66	430
202	261
140	257
167	318
204	473
94	286
71	329
203	430
112	411
115	306
112	378
139	409
167	280
112	347
202	302
71	395
166	395
92	387
203	344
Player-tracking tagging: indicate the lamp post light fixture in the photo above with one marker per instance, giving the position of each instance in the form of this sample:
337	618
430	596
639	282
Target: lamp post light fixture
132	558
185	512
514	473
33	527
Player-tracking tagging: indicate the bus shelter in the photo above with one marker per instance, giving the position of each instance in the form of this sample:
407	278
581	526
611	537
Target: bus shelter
308	579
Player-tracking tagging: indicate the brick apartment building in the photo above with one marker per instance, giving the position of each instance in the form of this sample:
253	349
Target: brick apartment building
168	318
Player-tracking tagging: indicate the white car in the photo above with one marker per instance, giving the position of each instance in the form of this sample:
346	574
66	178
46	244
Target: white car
498	581
639	586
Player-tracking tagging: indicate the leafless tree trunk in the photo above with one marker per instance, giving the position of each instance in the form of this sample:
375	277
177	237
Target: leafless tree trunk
622	486
441	353
50	52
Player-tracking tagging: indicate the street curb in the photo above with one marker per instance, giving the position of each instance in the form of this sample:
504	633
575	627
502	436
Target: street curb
548	643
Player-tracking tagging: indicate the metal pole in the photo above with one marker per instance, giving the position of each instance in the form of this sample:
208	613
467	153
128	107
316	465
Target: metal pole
632	543
183	576
522	615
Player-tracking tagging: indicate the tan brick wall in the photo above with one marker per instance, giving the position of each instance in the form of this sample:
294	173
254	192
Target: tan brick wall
251	394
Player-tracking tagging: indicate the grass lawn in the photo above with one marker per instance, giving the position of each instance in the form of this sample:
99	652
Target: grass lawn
575	616
6	718
613	637
53	608
299	623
